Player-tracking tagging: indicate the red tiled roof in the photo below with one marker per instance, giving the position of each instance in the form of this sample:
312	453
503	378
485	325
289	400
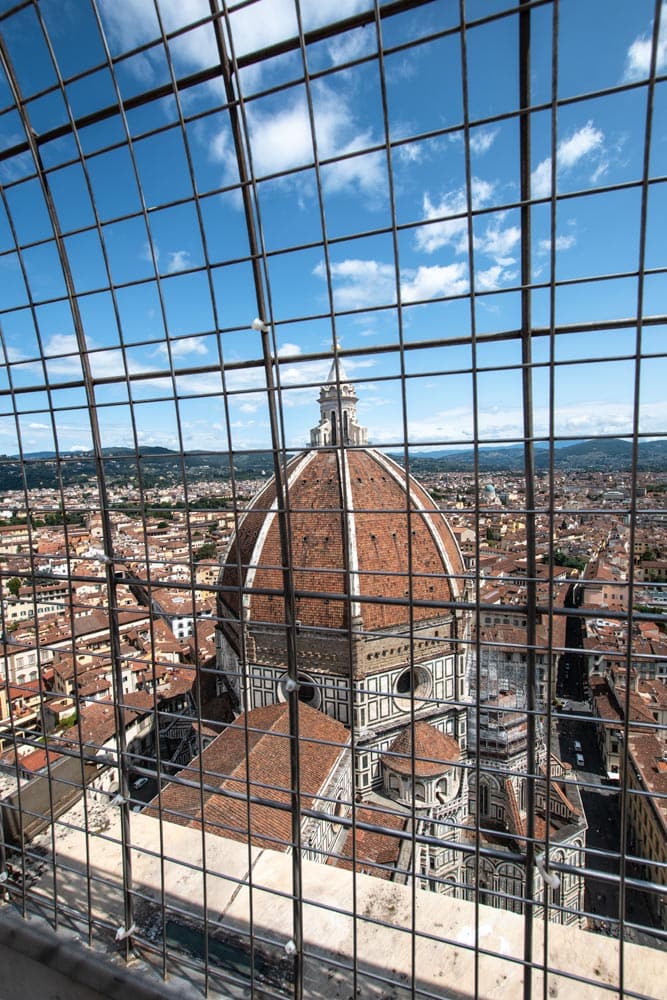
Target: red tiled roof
434	752
376	852
265	772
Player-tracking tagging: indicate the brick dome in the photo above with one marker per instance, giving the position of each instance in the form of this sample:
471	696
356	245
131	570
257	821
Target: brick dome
359	528
434	752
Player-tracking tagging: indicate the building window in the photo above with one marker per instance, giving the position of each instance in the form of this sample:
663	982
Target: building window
412	686
309	692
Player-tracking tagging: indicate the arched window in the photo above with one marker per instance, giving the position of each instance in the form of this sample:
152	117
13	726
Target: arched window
309	692
413	684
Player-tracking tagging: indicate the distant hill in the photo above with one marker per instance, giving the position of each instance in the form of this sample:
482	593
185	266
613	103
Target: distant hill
163	466
610	455
155	466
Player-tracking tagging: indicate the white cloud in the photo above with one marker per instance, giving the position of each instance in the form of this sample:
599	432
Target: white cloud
451	232
129	23
351	45
482	140
360	283
583	419
179	260
540	179
489	279
282	140
562	243
183	347
638	58
432	282
63	343
288	350
497	242
411	152
150	252
579	144
583	143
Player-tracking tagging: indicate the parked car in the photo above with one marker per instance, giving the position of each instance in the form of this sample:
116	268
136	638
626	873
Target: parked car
580	760
139	783
577	746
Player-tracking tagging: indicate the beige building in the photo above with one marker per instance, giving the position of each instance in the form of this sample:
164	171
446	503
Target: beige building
646	777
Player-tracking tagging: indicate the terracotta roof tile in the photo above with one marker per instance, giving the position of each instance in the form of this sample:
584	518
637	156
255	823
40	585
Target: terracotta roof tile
434	752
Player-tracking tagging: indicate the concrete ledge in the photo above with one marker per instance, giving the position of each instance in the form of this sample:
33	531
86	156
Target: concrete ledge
35	961
358	933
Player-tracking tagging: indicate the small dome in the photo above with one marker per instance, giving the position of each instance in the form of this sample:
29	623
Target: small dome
435	753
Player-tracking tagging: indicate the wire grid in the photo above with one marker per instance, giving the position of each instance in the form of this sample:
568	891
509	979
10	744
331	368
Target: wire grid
133	157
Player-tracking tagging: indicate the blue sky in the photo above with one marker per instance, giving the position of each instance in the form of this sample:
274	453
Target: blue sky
156	252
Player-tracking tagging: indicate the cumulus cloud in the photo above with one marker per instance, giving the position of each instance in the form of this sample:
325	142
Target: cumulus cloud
412	152
282	139
498	241
581	419
494	239
179	260
250	27
450	232
489	279
358	283
361	283
352	45
482	140
433	282
562	243
583	144
183	347
638	57
577	145
288	350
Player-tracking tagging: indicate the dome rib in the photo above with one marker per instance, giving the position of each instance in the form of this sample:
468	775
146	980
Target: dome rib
355	519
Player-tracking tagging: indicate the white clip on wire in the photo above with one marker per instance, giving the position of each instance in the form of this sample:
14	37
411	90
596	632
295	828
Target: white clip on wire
260	325
290	947
550	878
291	685
102	556
118	800
122	933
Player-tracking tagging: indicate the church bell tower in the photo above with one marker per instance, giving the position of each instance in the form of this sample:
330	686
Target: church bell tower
338	412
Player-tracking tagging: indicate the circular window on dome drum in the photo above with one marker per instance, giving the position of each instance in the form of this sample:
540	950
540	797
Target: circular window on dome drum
413	683
309	692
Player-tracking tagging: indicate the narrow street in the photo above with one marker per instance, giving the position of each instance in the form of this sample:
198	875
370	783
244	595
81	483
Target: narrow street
575	739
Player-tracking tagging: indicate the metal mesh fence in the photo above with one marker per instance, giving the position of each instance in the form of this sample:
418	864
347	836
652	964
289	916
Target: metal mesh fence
333	541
